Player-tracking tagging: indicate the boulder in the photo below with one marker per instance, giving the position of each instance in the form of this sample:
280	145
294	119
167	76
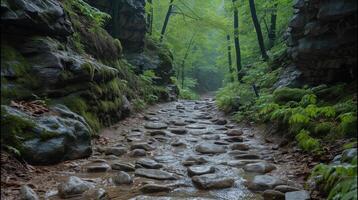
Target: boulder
49	139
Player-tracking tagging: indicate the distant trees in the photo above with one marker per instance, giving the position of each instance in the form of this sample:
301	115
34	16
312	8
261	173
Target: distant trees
150	17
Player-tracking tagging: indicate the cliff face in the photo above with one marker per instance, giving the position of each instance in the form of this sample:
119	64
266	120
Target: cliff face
63	77
322	40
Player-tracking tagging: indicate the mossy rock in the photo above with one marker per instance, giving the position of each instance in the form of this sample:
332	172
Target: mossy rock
284	95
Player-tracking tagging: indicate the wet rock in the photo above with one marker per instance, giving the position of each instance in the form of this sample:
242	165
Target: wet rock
240	163
208	148
117	151
348	155
122	178
26	193
138	153
97	167
248	156
194	161
234	139
211	137
178	143
179	131
221	143
264	182
180	123
237	152
286	188
164	159
234	132
200	170
221	122
153	125
111	157
298	195
221	129
230	126
154	188
149	163
96	194
158	132
150	118
195	126
261	167
127	167
144	146
273	195
154	174
240	146
73	186
213	181
190	121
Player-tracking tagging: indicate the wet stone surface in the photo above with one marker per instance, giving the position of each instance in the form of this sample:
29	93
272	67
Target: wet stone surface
177	150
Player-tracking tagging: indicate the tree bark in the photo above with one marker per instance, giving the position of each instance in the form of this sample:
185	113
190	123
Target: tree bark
258	30
231	70
272	31
166	20
150	18
236	38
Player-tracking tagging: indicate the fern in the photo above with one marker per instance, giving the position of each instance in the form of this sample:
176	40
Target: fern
299	118
328	111
308	99
307	143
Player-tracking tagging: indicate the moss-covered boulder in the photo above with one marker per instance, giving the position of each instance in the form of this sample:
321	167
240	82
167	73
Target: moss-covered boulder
284	95
56	136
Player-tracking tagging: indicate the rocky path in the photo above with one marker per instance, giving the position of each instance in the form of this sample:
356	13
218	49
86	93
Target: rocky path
177	150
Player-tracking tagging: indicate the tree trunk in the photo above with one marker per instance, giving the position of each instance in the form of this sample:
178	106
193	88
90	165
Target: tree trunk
150	17
231	70
166	20
272	32
184	59
236	38
258	30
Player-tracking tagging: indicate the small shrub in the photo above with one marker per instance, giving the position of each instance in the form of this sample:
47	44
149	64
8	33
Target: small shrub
323	128
307	143
348	125
284	95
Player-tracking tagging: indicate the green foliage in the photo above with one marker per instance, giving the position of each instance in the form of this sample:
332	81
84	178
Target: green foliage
90	12
308	99
188	94
307	143
323	128
338	181
348	124
284	95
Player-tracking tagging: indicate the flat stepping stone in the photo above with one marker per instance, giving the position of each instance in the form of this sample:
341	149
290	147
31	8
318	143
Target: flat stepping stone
154	174
234	132
122	178
144	146
180	123
179	131
195	126
286	188
153	125
234	139
155	188
127	167
261	167
117	151
148	163
220	122
248	156
190	121
273	195
138	153
211	137
178	143
298	195
97	167
240	146
194	161
264	182
200	170
158	132
73	186
213	181
164	159
208	148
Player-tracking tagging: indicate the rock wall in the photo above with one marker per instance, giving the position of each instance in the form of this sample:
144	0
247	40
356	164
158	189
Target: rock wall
322	40
53	51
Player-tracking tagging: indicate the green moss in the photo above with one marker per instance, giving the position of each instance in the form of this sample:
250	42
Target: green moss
92	121
284	95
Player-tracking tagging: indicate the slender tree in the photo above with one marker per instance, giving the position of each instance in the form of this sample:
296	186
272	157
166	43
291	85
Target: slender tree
150	16
236	38
191	42
231	70
166	21
272	31
258	30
